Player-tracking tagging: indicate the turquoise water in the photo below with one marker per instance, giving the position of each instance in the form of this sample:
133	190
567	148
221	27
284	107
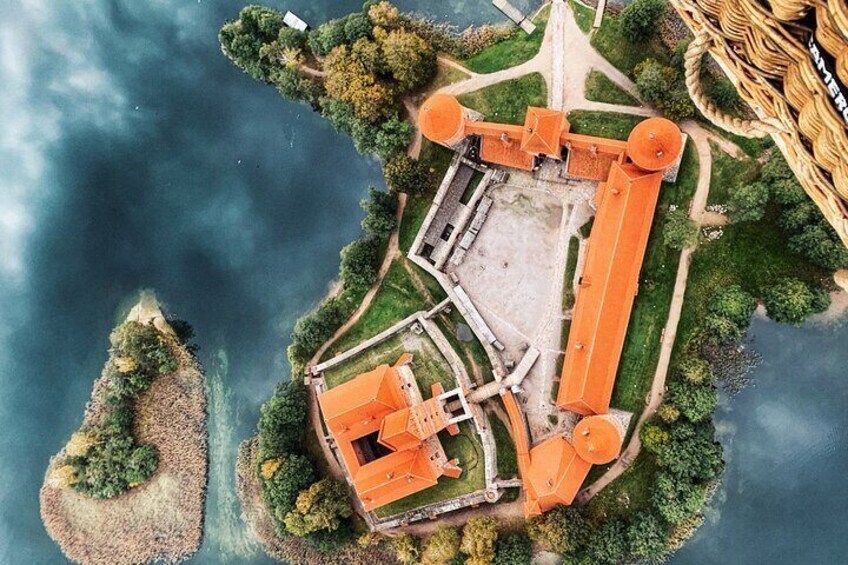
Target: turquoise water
133	155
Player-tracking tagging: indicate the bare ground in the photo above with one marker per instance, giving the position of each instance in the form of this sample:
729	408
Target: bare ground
163	518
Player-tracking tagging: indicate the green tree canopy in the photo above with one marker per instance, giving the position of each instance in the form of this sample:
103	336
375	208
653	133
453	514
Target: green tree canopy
677	498
647	536
692	451
748	202
608	544
411	60
821	245
680	231
359	265
380	208
513	549
322	506
280	492
283	420
561	530
790	301
733	303
695	401
640	19
405	174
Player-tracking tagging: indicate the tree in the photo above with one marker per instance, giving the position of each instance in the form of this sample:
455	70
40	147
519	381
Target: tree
513	549
411	59
290	38
790	301
347	78
668	413
776	168
405	174
407	548
322	506
647	536
695	402
392	138
821	245
663	86
384	14
639	20
795	218
680	231
243	39
283	420
787	192
327	37
442	547
691	452
608	545
357	26
720	330
733	303
294	474
359	264
677	498
561	530
748	202
654	437
380	208
479	537
724	94
695	370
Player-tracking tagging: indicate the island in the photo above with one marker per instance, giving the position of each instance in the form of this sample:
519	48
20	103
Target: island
526	347
130	485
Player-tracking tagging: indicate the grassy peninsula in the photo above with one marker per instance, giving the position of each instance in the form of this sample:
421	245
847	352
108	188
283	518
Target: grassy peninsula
130	485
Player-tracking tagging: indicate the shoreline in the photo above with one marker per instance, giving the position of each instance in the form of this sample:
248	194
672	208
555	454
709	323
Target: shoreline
162	519
291	549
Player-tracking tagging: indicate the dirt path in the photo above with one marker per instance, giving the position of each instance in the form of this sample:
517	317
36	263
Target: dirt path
700	138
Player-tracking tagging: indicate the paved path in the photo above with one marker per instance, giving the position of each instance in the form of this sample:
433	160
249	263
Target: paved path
699	136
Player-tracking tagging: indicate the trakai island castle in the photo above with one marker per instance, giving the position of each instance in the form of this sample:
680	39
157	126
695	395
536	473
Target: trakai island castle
789	62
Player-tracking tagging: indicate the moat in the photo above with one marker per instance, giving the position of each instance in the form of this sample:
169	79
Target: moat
170	170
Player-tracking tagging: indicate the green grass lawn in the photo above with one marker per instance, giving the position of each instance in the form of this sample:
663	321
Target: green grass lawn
629	493
511	52
612	125
467	448
600	88
507	102
445	75
436	159
752	146
470	352
623	54
429	365
584	15
396	299
728	173
568	277
656	285
507	459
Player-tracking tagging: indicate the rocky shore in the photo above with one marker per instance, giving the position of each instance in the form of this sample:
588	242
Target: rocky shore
161	519
291	549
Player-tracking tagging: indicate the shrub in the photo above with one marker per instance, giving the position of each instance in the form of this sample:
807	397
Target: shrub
696	371
791	301
748	202
821	245
653	437
609	544
664	87
668	413
639	20
680	231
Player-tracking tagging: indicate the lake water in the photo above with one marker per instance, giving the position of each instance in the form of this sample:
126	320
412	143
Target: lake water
134	155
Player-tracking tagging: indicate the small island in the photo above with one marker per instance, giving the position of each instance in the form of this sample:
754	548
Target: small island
130	485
